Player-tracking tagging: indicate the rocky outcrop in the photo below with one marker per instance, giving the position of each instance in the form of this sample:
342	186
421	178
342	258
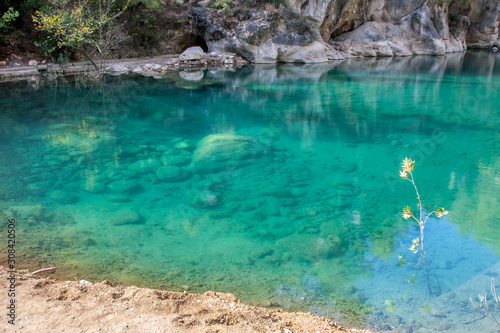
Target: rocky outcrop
484	17
312	31
384	27
264	37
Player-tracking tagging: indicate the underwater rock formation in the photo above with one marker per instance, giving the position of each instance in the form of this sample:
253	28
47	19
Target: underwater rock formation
219	152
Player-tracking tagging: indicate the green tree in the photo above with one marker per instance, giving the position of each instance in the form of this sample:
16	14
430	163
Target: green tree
88	26
7	18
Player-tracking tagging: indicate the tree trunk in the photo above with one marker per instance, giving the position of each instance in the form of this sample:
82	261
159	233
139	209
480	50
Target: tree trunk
86	55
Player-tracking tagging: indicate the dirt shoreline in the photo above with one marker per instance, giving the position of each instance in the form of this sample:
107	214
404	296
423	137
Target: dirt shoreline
43	304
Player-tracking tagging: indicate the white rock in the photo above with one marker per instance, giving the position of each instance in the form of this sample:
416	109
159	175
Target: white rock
137	70
33	63
156	68
118	69
148	66
192	53
85	282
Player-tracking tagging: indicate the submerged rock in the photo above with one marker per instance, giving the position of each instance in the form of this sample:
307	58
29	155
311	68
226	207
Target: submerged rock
218	152
171	174
183	145
63	197
39	187
176	158
122	186
203	199
144	166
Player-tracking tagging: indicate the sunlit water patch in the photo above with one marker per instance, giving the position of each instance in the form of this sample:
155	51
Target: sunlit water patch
276	183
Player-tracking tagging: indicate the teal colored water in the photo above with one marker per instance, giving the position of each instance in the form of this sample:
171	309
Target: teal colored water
276	183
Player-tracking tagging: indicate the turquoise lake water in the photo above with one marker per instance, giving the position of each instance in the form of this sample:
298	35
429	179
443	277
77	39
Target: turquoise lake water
276	183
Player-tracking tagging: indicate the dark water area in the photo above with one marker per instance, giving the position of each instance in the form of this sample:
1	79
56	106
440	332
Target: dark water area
278	183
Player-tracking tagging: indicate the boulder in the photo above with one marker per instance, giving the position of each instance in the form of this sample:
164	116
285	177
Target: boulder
157	68
137	70
175	157
122	186
144	166
171	174
192	53
118	69
218	152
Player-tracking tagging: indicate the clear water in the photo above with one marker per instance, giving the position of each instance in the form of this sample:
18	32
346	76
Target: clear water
276	183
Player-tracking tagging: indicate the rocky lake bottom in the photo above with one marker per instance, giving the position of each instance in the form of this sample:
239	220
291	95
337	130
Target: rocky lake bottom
278	184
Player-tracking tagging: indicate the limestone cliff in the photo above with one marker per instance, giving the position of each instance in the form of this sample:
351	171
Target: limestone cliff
320	30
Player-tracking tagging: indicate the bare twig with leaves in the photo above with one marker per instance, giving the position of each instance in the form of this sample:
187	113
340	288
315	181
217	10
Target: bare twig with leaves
484	309
407	173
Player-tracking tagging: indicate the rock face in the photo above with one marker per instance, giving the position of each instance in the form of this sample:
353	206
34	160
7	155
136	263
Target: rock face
312	31
264	37
484	18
